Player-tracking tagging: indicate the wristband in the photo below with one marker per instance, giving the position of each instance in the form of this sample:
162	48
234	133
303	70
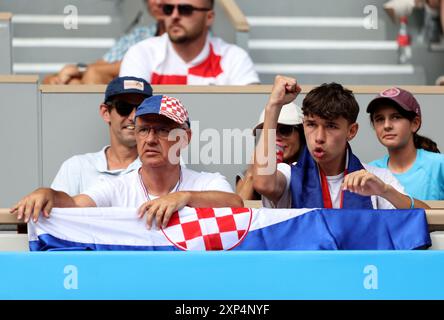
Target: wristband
412	201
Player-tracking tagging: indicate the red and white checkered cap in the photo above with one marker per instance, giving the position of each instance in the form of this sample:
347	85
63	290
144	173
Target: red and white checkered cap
169	107
208	228
172	108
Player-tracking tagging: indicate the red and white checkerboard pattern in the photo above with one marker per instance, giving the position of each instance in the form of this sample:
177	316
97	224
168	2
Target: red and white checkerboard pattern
173	109
208	228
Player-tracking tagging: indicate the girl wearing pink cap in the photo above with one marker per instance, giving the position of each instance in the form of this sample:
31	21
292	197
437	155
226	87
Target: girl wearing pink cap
413	159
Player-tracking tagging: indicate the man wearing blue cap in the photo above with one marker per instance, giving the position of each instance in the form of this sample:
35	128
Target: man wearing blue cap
160	187
78	173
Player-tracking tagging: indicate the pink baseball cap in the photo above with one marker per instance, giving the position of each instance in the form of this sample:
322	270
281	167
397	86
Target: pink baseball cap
401	97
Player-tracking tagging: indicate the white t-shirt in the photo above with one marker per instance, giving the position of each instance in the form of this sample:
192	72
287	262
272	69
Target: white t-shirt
80	172
334	185
219	63
127	190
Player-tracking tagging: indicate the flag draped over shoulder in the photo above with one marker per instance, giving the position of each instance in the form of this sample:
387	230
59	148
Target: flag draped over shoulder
237	229
306	191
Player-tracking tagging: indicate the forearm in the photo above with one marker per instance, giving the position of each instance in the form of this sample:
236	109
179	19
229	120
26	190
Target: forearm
213	199
101	72
265	178
63	200
245	188
401	201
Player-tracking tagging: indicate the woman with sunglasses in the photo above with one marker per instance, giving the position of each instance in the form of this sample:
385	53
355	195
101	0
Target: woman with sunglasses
289	138
413	159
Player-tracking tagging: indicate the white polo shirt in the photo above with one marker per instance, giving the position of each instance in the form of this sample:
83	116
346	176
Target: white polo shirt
80	172
128	191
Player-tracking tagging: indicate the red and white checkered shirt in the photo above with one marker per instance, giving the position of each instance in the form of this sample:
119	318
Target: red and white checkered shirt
219	63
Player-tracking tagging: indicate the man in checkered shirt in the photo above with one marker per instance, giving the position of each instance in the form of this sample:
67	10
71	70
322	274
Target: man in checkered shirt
187	53
104	70
160	187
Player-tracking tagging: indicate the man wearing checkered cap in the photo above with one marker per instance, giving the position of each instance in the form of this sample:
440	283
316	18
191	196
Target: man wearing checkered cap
81	171
160	187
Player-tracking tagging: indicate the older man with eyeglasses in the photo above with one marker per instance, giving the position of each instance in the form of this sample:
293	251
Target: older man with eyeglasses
122	96
187	53
160	187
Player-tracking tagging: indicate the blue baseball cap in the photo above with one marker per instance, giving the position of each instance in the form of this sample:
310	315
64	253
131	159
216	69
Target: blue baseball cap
169	107
122	85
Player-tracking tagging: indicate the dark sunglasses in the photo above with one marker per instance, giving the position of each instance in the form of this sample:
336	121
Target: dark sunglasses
123	108
281	130
184	9
285	131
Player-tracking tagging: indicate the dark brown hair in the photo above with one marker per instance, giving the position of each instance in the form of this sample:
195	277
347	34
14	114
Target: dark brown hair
331	101
419	141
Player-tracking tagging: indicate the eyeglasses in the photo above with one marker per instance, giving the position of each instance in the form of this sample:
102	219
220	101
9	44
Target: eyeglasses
160	131
281	130
123	108
184	9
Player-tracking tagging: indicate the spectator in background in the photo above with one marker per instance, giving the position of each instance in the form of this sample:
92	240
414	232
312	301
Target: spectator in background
413	159
188	54
80	172
160	187
289	136
327	174
107	68
433	25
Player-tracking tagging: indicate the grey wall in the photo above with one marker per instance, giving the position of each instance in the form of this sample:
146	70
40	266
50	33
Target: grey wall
84	131
70	124
19	139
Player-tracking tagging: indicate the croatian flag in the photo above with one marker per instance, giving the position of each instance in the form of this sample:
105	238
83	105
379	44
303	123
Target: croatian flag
229	228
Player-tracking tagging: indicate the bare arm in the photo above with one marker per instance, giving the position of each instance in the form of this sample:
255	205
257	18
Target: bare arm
44	199
401	201
367	184
101	72
244	186
163	208
266	179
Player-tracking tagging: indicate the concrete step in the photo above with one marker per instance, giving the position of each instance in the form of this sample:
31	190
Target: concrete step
312	8
329	51
56	55
306	28
30	26
84	7
362	75
40	69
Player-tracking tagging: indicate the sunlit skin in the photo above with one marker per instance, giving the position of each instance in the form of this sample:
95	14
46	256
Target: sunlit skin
181	28
188	34
392	129
327	140
154	150
122	128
